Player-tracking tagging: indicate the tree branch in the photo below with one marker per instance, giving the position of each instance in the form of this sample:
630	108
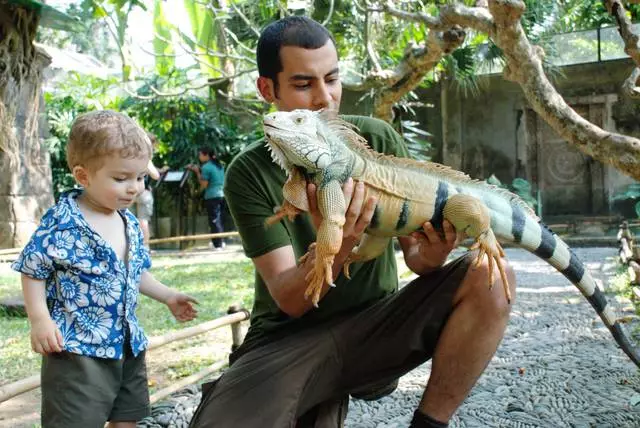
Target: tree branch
416	63
245	19
330	14
160	94
631	46
630	86
524	66
450	15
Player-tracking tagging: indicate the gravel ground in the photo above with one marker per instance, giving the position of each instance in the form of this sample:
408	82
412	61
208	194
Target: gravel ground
557	366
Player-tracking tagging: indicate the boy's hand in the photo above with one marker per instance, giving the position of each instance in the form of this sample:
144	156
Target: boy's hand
46	337
181	306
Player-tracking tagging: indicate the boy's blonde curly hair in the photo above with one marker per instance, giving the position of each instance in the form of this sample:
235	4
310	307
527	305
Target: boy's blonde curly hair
98	134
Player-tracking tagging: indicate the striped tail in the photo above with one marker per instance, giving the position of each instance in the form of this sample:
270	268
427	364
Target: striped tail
536	237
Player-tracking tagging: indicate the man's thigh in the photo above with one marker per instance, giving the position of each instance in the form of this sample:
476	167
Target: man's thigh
271	386
400	332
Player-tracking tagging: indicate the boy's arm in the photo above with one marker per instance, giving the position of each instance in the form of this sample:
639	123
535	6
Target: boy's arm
153	171
180	304
45	335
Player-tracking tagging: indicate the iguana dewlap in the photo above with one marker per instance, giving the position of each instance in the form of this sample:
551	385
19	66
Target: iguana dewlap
318	147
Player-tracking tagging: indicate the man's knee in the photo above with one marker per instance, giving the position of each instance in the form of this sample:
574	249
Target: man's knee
477	288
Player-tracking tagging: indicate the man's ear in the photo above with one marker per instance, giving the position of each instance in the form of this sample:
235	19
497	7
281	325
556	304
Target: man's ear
266	88
81	175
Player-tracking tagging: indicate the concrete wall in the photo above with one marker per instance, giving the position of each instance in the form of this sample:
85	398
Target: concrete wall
494	130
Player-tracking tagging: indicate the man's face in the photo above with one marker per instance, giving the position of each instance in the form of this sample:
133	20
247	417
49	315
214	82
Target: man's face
309	79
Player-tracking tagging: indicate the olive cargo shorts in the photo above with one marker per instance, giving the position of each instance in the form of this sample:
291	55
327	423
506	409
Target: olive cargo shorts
278	384
85	392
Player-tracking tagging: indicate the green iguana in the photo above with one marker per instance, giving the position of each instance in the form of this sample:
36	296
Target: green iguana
319	147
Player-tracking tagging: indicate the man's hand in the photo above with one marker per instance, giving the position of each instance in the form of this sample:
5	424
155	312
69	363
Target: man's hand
46	337
433	247
359	212
181	306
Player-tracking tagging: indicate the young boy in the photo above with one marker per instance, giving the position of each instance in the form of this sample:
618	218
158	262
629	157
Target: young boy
81	274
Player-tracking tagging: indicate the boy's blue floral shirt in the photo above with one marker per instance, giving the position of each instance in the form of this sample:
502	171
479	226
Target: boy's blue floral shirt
91	294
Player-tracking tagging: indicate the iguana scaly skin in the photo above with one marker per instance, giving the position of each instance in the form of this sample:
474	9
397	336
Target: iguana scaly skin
320	148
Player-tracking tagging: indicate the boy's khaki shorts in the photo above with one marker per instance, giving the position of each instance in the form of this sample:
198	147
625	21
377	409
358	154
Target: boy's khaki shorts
85	392
278	384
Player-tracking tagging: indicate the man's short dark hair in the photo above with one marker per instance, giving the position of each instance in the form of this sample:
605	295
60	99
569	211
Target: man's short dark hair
298	31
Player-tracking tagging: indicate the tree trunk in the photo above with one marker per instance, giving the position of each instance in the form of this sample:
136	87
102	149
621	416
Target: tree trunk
25	169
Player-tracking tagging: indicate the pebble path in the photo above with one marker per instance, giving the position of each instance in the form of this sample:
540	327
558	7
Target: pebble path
557	366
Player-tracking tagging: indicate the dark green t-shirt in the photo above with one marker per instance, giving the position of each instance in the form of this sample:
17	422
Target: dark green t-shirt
253	189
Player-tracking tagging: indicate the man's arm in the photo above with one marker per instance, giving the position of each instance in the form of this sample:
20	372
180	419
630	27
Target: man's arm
286	280
204	181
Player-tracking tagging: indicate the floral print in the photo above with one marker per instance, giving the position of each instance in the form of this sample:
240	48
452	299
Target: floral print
91	294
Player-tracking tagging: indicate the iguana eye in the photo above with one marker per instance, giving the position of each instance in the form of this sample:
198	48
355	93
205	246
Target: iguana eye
299	120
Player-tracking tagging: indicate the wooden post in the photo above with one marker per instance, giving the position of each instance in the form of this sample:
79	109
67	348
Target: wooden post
236	332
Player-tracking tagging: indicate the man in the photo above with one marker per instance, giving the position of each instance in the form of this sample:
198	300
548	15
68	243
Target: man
298	361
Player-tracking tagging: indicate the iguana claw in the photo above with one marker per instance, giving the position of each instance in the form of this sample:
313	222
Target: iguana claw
303	258
286	210
488	245
345	267
321	273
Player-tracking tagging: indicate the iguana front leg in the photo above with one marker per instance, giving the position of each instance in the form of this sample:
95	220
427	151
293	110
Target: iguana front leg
469	215
369	248
332	206
295	199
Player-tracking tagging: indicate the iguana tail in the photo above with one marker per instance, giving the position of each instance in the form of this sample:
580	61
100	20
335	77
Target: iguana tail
512	222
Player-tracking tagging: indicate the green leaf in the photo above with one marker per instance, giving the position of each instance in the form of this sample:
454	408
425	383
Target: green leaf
162	46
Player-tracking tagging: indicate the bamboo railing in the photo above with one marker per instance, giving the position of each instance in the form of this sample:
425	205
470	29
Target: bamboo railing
235	316
629	255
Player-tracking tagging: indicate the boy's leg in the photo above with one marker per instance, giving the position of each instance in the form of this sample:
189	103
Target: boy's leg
132	401
77	391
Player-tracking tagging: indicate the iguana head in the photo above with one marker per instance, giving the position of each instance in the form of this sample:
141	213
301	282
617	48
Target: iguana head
298	139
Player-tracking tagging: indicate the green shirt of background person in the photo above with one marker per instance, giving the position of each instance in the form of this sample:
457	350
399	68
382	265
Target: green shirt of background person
210	174
214	175
211	178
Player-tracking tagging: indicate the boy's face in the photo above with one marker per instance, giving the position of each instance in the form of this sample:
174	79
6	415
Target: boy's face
309	79
117	183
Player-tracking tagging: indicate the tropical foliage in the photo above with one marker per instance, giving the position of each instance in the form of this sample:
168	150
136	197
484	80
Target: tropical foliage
221	37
